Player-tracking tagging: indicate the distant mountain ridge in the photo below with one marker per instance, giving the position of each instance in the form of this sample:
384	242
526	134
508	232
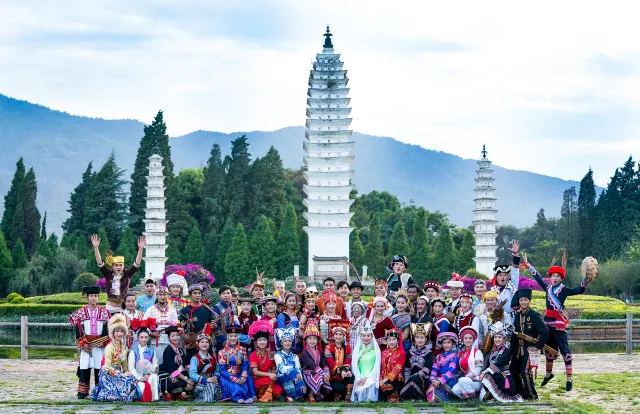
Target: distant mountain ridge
59	146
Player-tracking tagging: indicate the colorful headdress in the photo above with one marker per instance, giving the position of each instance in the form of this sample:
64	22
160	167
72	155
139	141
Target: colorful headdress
557	269
206	334
148	325
234	326
446	335
195	286
499	328
110	260
465	295
438	299
260	329
117	321
501	268
246	298
490	294
468	330
394	333
329	296
360	304
312	330
366	328
397	259
309	295
177	279
259	283
163	288
432	284
339	325
421	329
480	282
270	298
379	299
283	334
456	281
381	282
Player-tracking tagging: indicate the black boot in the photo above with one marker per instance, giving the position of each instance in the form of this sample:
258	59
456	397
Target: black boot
547	379
82	396
569	385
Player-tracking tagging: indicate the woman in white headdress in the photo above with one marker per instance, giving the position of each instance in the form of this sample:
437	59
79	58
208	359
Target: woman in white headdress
365	365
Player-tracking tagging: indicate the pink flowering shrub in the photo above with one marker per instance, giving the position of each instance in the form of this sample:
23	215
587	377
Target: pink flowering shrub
193	274
102	283
526	282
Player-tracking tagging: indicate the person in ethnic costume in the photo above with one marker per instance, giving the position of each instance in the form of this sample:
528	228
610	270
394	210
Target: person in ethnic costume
418	363
526	322
329	314
269	314
365	366
177	289
444	371
358	316
194	318
402	319
455	286
129	308
479	287
440	322
246	315
506	278
90	325
555	318
391	368
117	384
471	361
288	369
163	316
338	357
117	278
143	365
202	369
431	289
174	375
257	291
398	280
235	381
315	370
380	290
224	311
465	316
263	364
488	312
379	322
496	378
356	288
423	315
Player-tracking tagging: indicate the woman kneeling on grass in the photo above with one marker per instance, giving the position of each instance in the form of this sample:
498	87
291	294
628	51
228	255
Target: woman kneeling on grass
202	369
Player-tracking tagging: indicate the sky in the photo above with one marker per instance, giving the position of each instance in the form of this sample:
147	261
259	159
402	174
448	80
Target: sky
549	87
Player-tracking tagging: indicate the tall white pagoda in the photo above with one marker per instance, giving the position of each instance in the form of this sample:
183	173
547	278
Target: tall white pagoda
485	217
155	223
328	160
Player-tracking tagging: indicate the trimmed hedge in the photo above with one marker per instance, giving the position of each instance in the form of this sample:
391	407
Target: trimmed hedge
11	296
18	299
612	313
70	298
9	310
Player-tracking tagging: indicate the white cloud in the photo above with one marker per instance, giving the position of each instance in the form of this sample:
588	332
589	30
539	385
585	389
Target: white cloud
447	76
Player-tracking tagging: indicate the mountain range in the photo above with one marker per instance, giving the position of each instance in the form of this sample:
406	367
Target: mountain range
59	146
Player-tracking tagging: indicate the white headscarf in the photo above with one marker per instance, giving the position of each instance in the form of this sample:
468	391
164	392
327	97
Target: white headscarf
373	380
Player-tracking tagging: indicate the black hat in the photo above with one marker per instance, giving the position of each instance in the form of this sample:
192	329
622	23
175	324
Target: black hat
397	259
172	328
356	284
501	268
260	334
91	290
151	280
524	293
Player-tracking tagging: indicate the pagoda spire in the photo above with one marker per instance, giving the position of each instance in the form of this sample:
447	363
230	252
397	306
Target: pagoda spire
328	44
485	217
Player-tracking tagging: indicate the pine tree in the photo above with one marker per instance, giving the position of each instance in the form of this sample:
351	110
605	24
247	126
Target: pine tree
44	250
155	136
210	250
398	244
212	187
467	253
53	243
236	262
267	187
77	202
236	182
19	255
374	255
586	213
194	250
356	251
262	248
128	246
444	261
6	266
567	234
43	228
303	241
541	226
223	248
173	253
106	201
288	248
11	201
419	259
31	215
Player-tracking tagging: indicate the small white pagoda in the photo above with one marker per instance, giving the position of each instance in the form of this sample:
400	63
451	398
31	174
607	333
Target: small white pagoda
485	217
155	223
328	160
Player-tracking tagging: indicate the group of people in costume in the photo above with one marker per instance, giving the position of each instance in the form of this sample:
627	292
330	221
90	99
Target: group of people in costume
407	343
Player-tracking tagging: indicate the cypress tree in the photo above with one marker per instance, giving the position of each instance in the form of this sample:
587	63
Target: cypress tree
288	248
31	215
374	255
194	250
173	253
44	250
262	248
43	228
586	213
6	264
304	242
210	250
211	189
467	253
356	251
155	135
236	182
444	262
77	202
53	243
128	245
11	201
267	187
419	259
398	244
541	226
223	248
236	263
19	255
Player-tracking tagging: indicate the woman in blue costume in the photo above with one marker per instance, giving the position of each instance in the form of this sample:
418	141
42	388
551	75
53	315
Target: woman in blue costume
288	369
235	381
290	317
402	320
202	369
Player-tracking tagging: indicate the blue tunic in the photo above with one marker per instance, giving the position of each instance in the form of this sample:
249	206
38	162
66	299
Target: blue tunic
234	364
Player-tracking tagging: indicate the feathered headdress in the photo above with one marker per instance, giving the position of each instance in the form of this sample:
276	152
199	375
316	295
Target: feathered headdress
259	280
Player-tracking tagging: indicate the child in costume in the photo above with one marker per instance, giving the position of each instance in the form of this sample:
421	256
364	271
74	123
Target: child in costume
235	382
288	369
143	364
263	364
392	364
202	369
398	280
444	371
338	357
314	367
365	366
116	382
471	361
418	363
497	381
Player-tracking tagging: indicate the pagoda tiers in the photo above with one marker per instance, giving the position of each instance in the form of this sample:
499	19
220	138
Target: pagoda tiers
485	217
328	160
155	223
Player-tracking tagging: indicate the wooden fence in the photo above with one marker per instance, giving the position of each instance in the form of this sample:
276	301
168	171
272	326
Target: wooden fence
627	325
